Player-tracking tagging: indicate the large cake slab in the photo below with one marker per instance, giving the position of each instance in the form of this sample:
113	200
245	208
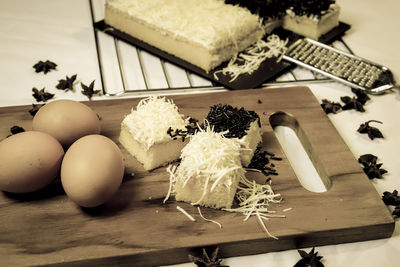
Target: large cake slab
267	70
45	227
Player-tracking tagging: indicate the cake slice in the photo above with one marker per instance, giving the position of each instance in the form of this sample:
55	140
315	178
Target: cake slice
210	170
204	33
241	125
146	133
312	18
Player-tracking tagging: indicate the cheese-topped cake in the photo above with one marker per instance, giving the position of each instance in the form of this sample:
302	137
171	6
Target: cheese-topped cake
146	132
312	18
209	171
241	125
204	33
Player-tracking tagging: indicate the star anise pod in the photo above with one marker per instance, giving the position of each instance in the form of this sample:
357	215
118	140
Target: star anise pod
371	131
309	259
392	199
35	108
16	129
352	103
41	95
44	66
330	106
362	96
370	167
206	261
88	90
396	211
67	83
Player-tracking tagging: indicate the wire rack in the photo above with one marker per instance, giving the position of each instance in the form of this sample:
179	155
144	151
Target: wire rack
126	69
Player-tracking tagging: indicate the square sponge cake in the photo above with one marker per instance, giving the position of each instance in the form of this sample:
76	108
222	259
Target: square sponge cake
146	132
210	170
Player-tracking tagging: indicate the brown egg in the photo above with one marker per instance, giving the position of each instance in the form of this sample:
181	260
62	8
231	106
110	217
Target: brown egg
92	170
29	161
66	120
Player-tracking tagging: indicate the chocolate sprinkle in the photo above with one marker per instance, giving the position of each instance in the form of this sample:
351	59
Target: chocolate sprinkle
227	118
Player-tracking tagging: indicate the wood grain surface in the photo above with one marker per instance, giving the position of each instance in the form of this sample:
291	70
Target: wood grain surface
135	228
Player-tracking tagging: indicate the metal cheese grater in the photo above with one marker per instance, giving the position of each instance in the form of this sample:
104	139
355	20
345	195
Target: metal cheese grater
354	71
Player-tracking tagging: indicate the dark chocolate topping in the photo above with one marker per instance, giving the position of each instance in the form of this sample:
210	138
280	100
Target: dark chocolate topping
227	118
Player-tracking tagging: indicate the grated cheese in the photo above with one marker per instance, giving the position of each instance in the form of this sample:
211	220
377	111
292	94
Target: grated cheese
254	200
208	220
250	59
152	118
185	213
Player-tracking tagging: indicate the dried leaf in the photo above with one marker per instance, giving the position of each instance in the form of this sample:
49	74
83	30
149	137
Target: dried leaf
67	83
45	66
41	95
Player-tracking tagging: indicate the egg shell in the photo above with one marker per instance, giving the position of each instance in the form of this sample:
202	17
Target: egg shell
92	170
29	161
66	120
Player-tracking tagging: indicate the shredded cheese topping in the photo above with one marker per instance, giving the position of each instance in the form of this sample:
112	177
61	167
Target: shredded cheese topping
212	157
250	59
152	118
208	22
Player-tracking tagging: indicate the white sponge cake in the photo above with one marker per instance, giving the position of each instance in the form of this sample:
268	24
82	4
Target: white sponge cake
209	171
204	33
146	132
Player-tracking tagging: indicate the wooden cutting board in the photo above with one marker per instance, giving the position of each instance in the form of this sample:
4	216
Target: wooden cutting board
136	228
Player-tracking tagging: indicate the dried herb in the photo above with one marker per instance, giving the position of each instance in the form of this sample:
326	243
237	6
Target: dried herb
44	66
88	90
16	129
371	131
396	211
67	83
41	95
309	259
330	107
352	103
392	199
362	97
206	261
35	108
370	166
